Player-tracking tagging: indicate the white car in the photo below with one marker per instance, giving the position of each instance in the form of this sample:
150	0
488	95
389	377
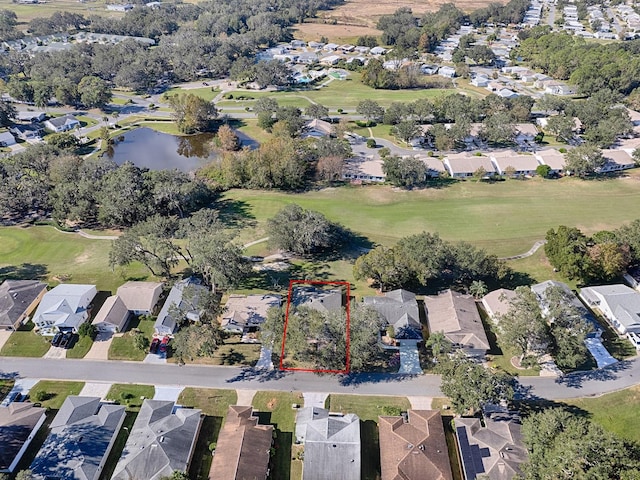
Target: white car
635	339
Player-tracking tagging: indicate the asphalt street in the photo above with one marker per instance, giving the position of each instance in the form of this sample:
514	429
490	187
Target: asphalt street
616	377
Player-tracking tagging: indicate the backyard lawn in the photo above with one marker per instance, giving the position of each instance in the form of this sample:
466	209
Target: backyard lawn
54	393
26	343
368	408
122	348
275	408
214	404
130	395
41	252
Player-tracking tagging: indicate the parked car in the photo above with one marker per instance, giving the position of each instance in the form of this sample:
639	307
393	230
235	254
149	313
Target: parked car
163	345
154	345
57	338
66	340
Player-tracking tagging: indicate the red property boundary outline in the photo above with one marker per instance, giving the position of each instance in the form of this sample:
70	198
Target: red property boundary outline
292	283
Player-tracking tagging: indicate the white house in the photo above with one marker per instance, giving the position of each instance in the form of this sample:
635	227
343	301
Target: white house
120	7
480	81
66	307
62	124
616	160
553	159
523	165
6	139
378	51
618	303
465	165
446	71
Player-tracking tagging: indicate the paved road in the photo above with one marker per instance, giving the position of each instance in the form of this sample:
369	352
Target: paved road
616	377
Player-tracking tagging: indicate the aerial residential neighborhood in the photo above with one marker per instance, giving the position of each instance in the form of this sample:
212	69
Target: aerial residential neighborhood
330	240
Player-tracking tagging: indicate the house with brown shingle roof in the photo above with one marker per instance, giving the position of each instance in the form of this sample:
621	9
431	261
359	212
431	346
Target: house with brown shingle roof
414	447
456	315
140	298
496	303
243	447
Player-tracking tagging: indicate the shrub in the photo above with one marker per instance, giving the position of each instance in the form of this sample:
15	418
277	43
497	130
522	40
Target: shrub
126	396
562	150
87	330
391	411
41	396
340	110
371	143
230	96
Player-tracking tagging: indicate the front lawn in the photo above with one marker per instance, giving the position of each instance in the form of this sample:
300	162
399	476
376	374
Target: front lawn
275	408
26	343
81	347
129	395
368	408
54	393
5	387
214	405
122	348
616	412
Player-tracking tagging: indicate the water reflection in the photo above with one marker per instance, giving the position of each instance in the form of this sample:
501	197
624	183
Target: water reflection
154	150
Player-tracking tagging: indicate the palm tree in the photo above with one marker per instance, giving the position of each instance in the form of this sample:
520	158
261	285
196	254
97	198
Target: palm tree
439	344
478	289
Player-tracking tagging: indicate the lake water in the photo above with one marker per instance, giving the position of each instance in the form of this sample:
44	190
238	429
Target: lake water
154	150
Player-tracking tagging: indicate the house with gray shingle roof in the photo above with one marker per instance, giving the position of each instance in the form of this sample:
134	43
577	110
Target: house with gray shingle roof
165	323
62	124
399	309
65	307
80	439
162	441
18	299
317	298
331	444
19	422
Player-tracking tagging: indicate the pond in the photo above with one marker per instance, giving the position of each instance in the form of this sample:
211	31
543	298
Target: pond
147	148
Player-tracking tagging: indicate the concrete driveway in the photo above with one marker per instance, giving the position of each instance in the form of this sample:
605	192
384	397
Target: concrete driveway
56	352
4	337
100	348
409	360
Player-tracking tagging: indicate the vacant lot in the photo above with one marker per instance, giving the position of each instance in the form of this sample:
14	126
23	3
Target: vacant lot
41	252
506	218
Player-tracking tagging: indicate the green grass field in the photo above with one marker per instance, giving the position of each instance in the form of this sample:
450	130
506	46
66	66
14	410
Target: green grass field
122	348
130	396
26	343
214	405
45	253
616	412
275	408
56	392
80	349
26	13
505	218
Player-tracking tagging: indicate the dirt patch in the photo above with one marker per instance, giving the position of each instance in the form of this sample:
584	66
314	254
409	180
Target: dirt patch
272	403
84	258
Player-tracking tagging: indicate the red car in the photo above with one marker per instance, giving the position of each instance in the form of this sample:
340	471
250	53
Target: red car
154	345
163	345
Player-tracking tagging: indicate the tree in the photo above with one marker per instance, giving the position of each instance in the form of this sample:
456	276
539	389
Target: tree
24	475
197	341
272	328
151	243
271	72
315	110
543	171
404	172
304	232
470	385
94	92
63	141
406	130
439	344
365	323
329	168
192	113
177	475
498	129
121	196
371	110
140	341
478	289
561	126
480	173
610	259
87	329
7	113
584	160
523	328
229	141
385	266
564	446
566	249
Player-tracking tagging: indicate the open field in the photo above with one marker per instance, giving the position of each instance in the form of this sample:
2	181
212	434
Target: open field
41	252
616	412
339	94
26	13
506	218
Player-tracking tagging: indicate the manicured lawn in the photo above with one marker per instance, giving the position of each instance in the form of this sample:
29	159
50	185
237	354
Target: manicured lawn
368	408
208	93
56	392
129	395
506	218
275	408
5	387
164	127
616	412
214	404
28	12
26	343
43	252
344	94
122	348
80	349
